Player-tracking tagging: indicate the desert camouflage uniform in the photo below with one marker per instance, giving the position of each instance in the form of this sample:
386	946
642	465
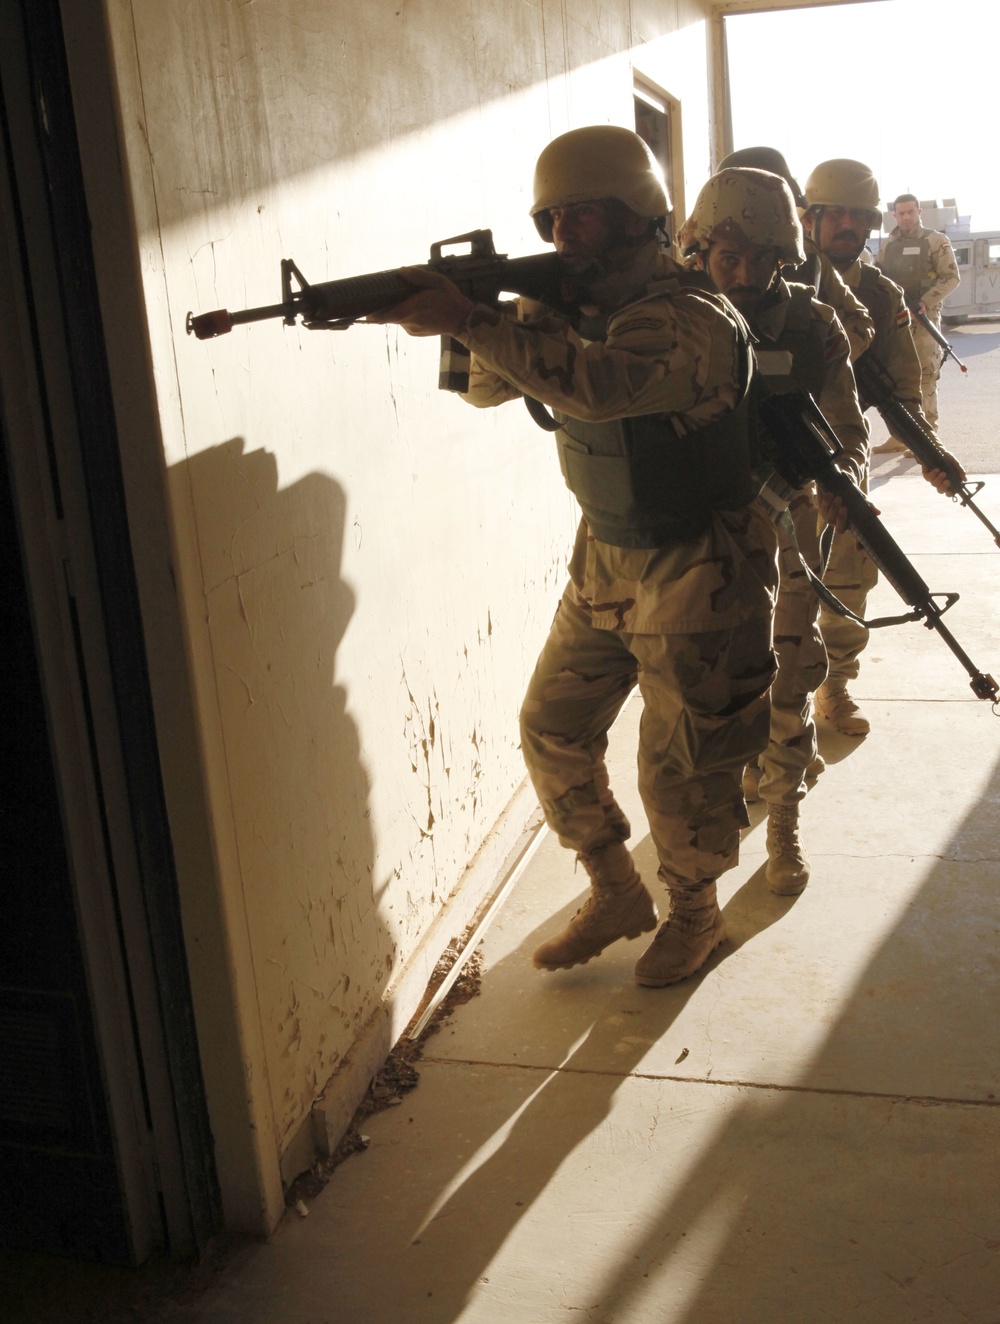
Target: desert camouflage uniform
689	622
802	662
832	290
941	277
851	573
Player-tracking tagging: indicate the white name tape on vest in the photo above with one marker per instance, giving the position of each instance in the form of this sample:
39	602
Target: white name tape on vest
774	362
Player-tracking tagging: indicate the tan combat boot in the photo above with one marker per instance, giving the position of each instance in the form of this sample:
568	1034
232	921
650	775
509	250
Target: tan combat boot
752	774
692	932
787	869
619	906
834	702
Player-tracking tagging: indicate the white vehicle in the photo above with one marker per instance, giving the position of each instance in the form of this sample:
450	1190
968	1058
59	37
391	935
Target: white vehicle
977	253
978	257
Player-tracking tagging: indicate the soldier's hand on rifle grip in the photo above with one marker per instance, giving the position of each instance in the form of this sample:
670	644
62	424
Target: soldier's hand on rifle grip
939	479
833	510
438	308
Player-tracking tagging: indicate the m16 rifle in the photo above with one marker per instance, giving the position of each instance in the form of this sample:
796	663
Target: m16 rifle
935	334
806	447
482	274
877	389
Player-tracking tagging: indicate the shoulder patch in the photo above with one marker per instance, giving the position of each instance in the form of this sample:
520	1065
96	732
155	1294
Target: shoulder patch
640	324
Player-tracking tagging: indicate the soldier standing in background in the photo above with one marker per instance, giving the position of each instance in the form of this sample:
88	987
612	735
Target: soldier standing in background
673	575
922	262
743	232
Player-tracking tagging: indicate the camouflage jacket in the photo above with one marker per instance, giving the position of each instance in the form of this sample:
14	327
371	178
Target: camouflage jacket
835	292
943	271
665	352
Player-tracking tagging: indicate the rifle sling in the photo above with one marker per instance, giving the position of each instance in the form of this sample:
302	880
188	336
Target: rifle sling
825	594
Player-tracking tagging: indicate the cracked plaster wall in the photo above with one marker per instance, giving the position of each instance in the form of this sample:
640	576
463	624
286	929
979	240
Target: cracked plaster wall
367	566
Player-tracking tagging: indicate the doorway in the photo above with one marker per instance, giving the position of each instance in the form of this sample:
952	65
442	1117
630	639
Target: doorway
105	1150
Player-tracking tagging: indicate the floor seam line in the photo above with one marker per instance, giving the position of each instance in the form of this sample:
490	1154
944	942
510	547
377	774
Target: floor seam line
927	1100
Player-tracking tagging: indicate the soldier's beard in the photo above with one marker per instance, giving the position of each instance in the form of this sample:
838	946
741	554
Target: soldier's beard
611	277
582	268
618	254
841	259
745	297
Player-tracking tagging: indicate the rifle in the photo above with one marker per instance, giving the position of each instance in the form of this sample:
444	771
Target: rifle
935	334
482	275
877	388
806	447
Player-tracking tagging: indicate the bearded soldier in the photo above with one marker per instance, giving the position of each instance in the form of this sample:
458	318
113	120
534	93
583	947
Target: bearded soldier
817	269
672	576
922	262
743	231
842	210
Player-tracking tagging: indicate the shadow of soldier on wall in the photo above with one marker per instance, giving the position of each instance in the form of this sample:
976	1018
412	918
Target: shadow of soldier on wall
288	765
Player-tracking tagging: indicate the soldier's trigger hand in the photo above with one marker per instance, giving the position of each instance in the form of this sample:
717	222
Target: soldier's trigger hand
939	480
436	308
833	510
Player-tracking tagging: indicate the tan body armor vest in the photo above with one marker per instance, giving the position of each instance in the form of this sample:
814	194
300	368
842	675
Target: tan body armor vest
907	261
796	361
881	308
640	483
876	298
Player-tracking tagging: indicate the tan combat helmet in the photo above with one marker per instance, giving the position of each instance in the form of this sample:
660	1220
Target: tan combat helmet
767	158
751	205
600	161
844	183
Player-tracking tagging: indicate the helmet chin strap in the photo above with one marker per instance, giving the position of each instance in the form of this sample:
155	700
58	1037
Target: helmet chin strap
769	296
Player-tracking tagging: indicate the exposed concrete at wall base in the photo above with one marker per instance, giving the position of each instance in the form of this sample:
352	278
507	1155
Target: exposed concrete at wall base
333	1110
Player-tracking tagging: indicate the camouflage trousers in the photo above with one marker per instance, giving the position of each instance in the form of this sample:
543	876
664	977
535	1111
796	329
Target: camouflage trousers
705	715
930	355
852	575
798	644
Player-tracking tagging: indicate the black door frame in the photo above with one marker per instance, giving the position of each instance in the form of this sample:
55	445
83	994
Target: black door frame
68	486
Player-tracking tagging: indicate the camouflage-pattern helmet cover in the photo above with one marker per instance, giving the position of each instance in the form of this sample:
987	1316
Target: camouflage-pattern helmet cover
600	161
844	183
741	203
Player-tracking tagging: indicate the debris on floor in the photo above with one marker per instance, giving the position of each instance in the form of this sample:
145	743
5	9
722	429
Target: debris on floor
398	1076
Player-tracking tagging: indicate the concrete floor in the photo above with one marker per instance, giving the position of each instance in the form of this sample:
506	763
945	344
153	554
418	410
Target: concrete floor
807	1131
968	402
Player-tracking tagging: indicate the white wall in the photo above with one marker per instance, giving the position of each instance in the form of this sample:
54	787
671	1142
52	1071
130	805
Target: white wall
367	567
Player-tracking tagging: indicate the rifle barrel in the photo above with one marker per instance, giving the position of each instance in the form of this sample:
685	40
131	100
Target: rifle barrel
806	444
877	389
206	326
935	334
